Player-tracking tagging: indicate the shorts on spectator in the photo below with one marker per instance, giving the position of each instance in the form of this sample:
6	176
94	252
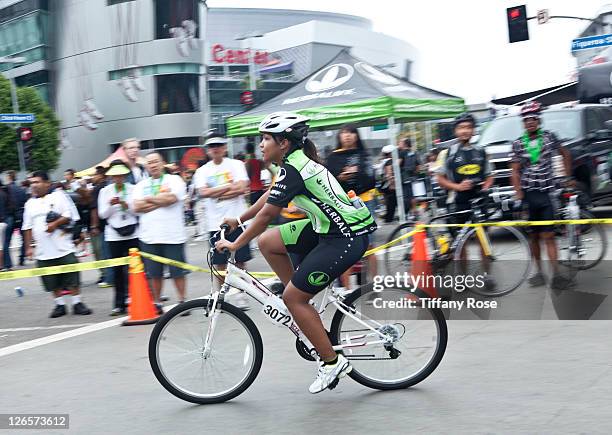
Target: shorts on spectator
68	281
242	255
540	208
175	252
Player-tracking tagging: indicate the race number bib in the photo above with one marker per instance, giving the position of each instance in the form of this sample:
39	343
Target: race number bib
276	312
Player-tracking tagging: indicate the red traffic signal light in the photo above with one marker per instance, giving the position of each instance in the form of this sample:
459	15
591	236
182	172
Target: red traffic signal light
25	133
517	23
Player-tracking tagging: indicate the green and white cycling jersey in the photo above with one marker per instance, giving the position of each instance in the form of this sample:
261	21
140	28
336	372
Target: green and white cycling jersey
313	189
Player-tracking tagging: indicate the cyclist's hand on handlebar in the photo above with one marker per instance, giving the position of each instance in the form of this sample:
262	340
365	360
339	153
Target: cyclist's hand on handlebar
232	223
222	245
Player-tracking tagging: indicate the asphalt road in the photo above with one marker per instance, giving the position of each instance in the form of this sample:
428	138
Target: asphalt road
521	376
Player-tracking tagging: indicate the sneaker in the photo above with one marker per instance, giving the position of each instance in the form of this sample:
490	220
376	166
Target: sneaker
127	89
86	120
104	284
80	253
242	301
164	298
81	308
117	312
328	375
560	282
58	311
93	110
537	280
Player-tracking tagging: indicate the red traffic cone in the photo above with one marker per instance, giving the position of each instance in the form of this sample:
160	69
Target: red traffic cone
421	267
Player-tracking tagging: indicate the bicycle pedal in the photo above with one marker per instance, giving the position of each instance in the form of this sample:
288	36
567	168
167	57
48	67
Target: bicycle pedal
333	384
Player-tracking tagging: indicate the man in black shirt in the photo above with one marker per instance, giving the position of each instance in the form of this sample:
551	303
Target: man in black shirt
17	198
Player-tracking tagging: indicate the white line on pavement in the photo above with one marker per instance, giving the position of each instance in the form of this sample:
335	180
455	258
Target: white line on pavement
75	332
37	328
61	336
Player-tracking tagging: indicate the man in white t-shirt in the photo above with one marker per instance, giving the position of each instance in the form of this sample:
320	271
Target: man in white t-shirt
159	201
223	183
46	219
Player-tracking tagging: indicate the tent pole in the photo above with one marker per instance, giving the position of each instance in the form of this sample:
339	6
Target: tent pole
399	193
428	136
230	147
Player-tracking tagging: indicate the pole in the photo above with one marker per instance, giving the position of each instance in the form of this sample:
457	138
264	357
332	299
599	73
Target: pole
22	166
252	81
427	136
205	101
399	192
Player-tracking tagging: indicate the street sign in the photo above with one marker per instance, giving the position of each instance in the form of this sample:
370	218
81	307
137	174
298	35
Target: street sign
543	16
17	118
589	42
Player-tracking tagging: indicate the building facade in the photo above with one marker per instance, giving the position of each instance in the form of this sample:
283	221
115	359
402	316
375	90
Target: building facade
165	70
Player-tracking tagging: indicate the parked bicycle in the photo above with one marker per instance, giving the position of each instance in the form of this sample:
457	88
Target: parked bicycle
215	354
581	246
500	253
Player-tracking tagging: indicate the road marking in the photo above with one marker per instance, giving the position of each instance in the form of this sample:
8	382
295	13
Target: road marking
37	328
75	332
60	336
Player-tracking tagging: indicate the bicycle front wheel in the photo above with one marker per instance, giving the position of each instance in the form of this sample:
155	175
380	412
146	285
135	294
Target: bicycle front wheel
205	357
418	338
499	256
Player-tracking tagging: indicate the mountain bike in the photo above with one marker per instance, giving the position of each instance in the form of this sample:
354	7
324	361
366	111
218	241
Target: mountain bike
215	354
499	253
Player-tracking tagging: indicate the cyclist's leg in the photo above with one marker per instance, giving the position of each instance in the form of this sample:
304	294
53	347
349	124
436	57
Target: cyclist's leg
326	262
296	237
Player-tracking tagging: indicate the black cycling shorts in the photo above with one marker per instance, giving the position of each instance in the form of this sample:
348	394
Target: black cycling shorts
540	208
323	259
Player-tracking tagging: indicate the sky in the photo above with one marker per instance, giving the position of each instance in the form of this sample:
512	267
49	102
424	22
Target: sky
463	45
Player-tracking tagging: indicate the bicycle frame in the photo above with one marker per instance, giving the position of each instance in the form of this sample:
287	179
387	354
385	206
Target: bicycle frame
242	280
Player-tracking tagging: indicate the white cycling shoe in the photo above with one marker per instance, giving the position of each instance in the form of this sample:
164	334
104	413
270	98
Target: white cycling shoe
328	375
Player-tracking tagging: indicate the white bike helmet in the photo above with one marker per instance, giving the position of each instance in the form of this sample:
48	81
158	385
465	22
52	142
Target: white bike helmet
285	123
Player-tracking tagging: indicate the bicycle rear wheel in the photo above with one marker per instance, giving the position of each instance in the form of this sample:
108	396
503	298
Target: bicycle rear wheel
419	337
506	266
181	364
588	247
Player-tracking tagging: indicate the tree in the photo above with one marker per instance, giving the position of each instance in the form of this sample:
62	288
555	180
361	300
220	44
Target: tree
45	153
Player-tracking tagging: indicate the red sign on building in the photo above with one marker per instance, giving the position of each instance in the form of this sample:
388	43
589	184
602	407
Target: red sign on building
220	54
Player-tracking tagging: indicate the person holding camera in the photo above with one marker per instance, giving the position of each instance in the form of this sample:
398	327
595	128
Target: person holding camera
47	219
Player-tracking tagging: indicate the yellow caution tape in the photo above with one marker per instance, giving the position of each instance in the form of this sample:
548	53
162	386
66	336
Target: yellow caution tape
101	264
392	242
193	268
66	268
523	223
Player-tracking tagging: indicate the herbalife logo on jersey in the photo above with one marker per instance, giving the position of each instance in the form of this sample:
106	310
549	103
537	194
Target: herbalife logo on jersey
328	78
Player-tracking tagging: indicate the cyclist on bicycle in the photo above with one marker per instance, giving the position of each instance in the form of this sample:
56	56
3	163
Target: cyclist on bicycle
333	238
534	180
464	171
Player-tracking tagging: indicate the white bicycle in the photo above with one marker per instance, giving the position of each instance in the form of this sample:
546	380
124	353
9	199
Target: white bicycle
215	353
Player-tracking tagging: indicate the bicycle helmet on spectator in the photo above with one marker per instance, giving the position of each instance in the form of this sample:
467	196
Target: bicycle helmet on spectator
464	117
531	109
285	124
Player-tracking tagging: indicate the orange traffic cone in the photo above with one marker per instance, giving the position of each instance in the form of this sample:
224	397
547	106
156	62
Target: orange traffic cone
421	267
141	310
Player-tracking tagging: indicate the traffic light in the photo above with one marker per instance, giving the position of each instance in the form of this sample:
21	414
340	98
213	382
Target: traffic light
24	134
517	23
